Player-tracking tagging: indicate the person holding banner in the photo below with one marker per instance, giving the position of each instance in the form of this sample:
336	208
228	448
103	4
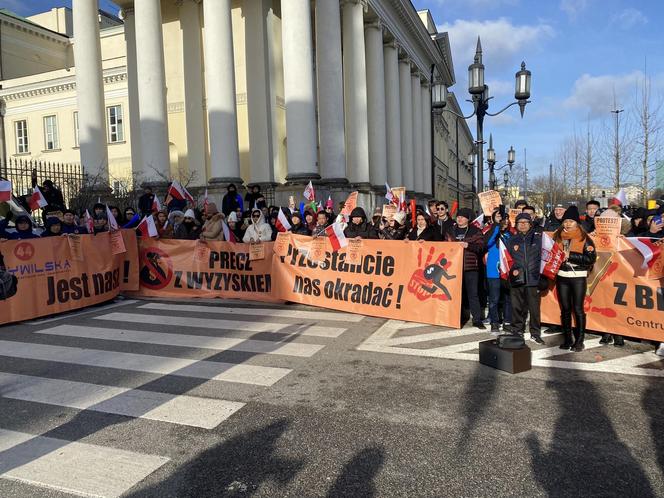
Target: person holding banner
498	293
52	227
359	226
212	228
445	223
571	282
258	231
24	230
395	229
422	230
297	226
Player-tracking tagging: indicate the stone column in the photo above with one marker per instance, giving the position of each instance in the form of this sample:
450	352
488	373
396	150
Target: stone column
393	110
332	137
192	55
90	91
376	104
418	177
152	91
355	91
220	86
426	135
127	15
298	53
406	105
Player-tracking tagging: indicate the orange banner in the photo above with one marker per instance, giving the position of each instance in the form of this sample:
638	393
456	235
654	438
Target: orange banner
623	301
51	279
414	281
187	268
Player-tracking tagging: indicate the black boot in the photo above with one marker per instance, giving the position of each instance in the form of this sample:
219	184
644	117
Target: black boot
619	341
567	333
606	339
580	335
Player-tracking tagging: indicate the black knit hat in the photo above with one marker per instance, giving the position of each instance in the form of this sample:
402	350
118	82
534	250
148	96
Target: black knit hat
572	213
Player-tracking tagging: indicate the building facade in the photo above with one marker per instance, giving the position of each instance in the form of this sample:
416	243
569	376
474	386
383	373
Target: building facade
337	92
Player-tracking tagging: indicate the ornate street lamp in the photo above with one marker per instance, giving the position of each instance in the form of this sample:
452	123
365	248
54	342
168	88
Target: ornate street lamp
522	89
476	72
511	156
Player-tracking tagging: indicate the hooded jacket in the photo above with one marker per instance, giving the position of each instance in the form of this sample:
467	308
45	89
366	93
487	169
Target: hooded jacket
23	234
258	231
47	228
231	201
526	252
364	230
213	228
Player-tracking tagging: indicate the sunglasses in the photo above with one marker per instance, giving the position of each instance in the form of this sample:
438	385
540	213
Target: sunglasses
441	209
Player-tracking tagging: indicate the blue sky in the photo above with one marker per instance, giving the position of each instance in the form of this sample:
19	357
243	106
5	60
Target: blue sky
579	51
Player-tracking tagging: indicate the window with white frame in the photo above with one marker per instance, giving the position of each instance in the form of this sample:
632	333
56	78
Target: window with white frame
75	128
51	140
21	136
115	125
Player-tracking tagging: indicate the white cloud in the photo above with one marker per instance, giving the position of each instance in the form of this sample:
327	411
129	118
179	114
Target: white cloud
480	4
595	93
499	88
573	7
17	6
628	18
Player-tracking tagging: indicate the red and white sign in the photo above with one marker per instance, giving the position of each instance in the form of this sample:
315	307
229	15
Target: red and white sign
552	257
648	249
336	235
37	200
505	260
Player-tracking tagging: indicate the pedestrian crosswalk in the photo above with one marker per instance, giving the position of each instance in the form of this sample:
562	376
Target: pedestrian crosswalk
192	342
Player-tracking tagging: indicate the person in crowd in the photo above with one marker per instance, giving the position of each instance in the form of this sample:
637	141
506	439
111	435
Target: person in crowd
4	223
52	227
530	210
525	248
571	282
655	228
69	224
309	220
555	219
329	210
98	208
638	223
520	204
129	215
377	219
164	228
145	201
175	219
173	204
395	229
258	231
444	223
322	223
588	219
235	226
422	229
432	211
273	226
213	228
231	201
473	245
119	217
359	227
189	229
51	193
497	292
297	227
252	195
23	225
100	223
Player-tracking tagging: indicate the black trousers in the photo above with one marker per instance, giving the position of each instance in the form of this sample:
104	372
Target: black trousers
526	300
571	294
471	297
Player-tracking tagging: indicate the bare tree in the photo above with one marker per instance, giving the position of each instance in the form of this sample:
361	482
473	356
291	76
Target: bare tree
649	124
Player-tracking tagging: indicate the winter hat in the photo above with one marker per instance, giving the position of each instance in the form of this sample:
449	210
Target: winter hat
572	213
22	218
189	213
524	216
52	220
358	212
466	213
232	217
400	217
212	208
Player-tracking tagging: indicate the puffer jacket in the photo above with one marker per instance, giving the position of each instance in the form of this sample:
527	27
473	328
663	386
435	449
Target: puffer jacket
258	231
526	252
213	228
581	261
552	224
364	230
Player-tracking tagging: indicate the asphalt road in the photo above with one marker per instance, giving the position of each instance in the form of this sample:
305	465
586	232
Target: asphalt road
307	414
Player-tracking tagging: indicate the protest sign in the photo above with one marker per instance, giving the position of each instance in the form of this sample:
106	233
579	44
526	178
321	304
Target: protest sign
354	251
513	213
75	250
389	210
117	242
256	251
607	230
489	201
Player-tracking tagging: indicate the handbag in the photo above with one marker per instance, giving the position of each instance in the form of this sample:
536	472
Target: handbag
518	280
508	341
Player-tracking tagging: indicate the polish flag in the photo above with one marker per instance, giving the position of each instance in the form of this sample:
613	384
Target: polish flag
309	192
205	202
401	207
156	205
282	222
89	224
455	207
620	199
112	222
648	249
37	199
552	257
388	193
479	221
505	260
5	190
177	191
228	235
148	227
336	235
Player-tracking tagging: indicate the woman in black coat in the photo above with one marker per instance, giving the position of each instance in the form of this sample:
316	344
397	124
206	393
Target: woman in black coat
422	230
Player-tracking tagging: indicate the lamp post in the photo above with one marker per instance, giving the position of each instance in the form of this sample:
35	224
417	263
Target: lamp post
491	160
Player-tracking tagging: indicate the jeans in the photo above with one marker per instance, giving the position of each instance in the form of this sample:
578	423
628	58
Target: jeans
471	296
495	291
526	300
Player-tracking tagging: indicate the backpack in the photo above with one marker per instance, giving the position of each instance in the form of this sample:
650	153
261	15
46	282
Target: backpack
8	285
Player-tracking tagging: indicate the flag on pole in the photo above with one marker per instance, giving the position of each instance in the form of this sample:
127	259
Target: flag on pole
620	199
505	260
148	227
89	224
112	222
319	208
335	234
282	223
401	205
388	193
205	202
552	257
648	249
177	191
156	205
309	192
5	190
37	199
479	221
455	207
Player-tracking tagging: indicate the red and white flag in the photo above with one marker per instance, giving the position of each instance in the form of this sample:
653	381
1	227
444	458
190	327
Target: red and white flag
148	227
388	193
336	235
228	235
453	211
112	222
89	224
282	222
479	221
205	202
37	199
156	205
505	260
620	199
177	191
401	206
309	192
5	190
648	249
552	257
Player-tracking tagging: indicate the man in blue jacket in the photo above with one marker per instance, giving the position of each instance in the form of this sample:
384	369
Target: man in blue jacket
499	231
525	247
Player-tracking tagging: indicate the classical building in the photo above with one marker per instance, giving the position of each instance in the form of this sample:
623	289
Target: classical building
337	92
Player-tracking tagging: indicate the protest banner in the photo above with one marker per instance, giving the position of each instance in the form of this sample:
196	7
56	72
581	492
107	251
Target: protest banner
513	213
75	249
489	201
414	281
350	204
128	261
623	300
117	242
606	231
389	210
167	269
256	251
51	281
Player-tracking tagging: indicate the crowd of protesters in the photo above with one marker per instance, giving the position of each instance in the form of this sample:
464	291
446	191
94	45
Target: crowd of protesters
512	302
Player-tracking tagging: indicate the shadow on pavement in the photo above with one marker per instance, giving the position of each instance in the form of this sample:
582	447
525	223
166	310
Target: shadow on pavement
586	457
653	403
236	467
357	476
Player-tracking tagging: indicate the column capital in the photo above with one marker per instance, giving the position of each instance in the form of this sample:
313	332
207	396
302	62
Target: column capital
364	3
392	44
126	11
374	24
179	3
